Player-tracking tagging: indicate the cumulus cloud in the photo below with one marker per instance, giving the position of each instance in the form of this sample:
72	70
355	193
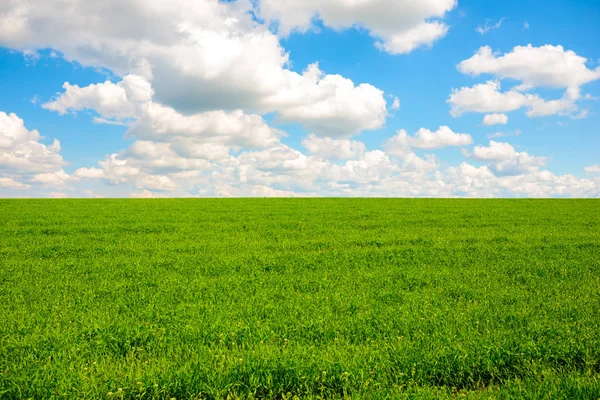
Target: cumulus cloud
485	98
234	129
488	98
131	99
545	66
21	152
399	26
52	179
592	169
332	149
495	119
10	183
468	180
505	160
282	170
443	137
192	93
330	105
107	98
425	139
210	56
88	173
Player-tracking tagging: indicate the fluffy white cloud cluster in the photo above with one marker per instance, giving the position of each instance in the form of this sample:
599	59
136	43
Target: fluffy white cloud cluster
505	160
332	149
545	66
207	135
211	55
487	97
330	105
194	89
399	26
469	180
401	144
495	119
23	158
340	167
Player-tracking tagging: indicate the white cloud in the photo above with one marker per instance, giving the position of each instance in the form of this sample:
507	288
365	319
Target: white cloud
505	160
330	105
468	180
399	26
544	66
395	104
487	98
52	179
400	144
92	194
332	149
160	183
58	195
88	173
106	121
107	98
546	184
145	194
10	183
153	121
526	25
236	129
118	171
496	151
20	149
210	56
266	191
495	119
284	171
422	35
592	169
156	157
482	30
563	106
337	108
13	131
516	132
193	90
443	137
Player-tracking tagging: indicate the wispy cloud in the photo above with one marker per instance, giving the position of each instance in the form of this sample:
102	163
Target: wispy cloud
482	30
100	120
516	132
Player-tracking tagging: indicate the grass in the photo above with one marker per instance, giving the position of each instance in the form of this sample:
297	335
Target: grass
305	298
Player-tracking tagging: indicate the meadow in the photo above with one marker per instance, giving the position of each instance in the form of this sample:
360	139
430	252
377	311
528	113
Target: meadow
299	298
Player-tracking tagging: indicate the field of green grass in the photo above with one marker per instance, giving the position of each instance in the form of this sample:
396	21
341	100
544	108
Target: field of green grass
305	298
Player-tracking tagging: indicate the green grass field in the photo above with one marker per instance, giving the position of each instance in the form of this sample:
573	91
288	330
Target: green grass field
257	298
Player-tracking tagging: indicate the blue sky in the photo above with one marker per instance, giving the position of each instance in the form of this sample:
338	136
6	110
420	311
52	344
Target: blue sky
217	102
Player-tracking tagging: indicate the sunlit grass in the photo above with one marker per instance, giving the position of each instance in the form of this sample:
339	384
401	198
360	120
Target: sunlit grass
310	298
